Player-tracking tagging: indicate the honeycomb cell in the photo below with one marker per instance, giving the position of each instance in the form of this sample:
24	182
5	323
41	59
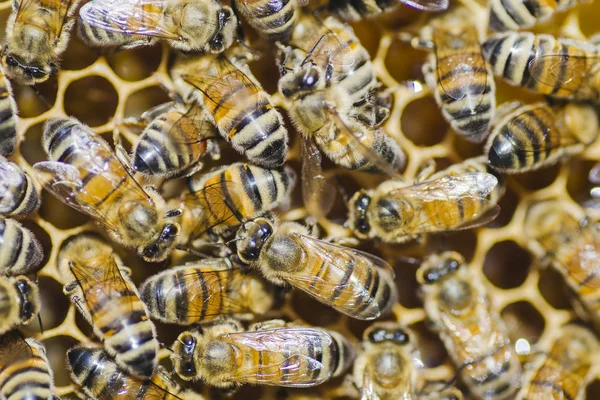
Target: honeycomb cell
145	99
406	282
507	265
135	65
31	147
93	100
578	184
422	122
539	179
463	242
523	321
398	68
553	289
593	390
78	55
508	204
56	350
36	100
54	306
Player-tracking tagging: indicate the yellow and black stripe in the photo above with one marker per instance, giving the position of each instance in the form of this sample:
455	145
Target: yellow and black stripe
274	19
353	10
20	252
19	302
515	15
8	118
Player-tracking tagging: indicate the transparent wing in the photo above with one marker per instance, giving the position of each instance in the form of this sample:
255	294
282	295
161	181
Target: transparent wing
427	5
567	72
444	194
28	11
318	192
193	127
288	350
141	17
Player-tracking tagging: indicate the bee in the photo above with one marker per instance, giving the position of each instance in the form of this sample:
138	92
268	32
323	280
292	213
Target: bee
541	63
175	139
565	371
354	10
19	302
20	252
8	117
85	174
470	328
353	282
206	26
100	378
228	195
26	372
396	212
274	20
386	368
537	135
520	14
572	248
203	291
37	33
458	73
18	195
102	290
269	353
237	104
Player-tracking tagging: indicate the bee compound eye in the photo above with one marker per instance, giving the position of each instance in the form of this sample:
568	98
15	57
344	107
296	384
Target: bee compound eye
11	61
377	335
401	337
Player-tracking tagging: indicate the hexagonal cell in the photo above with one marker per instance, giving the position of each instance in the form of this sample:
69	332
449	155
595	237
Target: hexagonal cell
506	265
578	184
553	288
313	312
523	320
79	55
265	68
397	66
135	65
433	352
143	100
508	204
539	179
35	100
464	242
31	146
93	100
59	214
54	306
42	236
423	123
56	350
593	390
465	148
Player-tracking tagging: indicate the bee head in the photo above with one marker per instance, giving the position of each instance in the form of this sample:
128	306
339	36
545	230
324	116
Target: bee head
29	298
183	356
159	249
23	72
380	333
358	206
251	237
225	32
439	267
304	79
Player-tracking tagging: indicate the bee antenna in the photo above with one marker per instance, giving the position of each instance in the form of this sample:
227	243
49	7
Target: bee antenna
40	323
232	241
309	54
41	96
194	252
166	347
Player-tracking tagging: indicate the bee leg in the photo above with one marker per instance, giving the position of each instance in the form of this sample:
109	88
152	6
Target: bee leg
195	168
425	170
213	149
121	153
264	325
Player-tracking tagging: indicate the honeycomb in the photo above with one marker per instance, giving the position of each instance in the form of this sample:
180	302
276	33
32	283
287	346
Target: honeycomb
102	88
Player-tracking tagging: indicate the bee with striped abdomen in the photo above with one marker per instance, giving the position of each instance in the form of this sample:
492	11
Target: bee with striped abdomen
174	140
514	15
538	135
269	353
459	75
572	247
19	302
205	290
353	10
8	117
20	252
541	63
100	378
18	195
25	371
470	327
85	174
37	33
102	290
229	195
273	19
396	212
206	26
353	282
237	104
564	371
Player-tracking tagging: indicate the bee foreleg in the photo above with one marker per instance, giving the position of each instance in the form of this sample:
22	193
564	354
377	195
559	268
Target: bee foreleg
121	153
264	325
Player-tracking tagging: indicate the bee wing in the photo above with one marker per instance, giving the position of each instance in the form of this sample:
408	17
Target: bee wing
567	72
427	5
460	73
443	194
283	347
28	10
131	17
193	127
337	258
317	191
331	49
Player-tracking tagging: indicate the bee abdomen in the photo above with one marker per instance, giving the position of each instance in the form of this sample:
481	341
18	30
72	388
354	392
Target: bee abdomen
389	151
341	354
102	37
497	384
21	197
20	252
275	19
509	55
8	120
513	15
361	80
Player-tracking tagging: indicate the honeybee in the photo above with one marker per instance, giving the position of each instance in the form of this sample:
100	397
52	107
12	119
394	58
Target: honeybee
461	79
175	139
25	372
100	378
269	353
37	33
85	174
522	14
203	291
471	329
396	212
565	370
20	252
228	195
206	26
19	302
18	195
273	19
8	117
236	103
572	248
353	10
386	368
353	282
537	135
541	63
102	290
